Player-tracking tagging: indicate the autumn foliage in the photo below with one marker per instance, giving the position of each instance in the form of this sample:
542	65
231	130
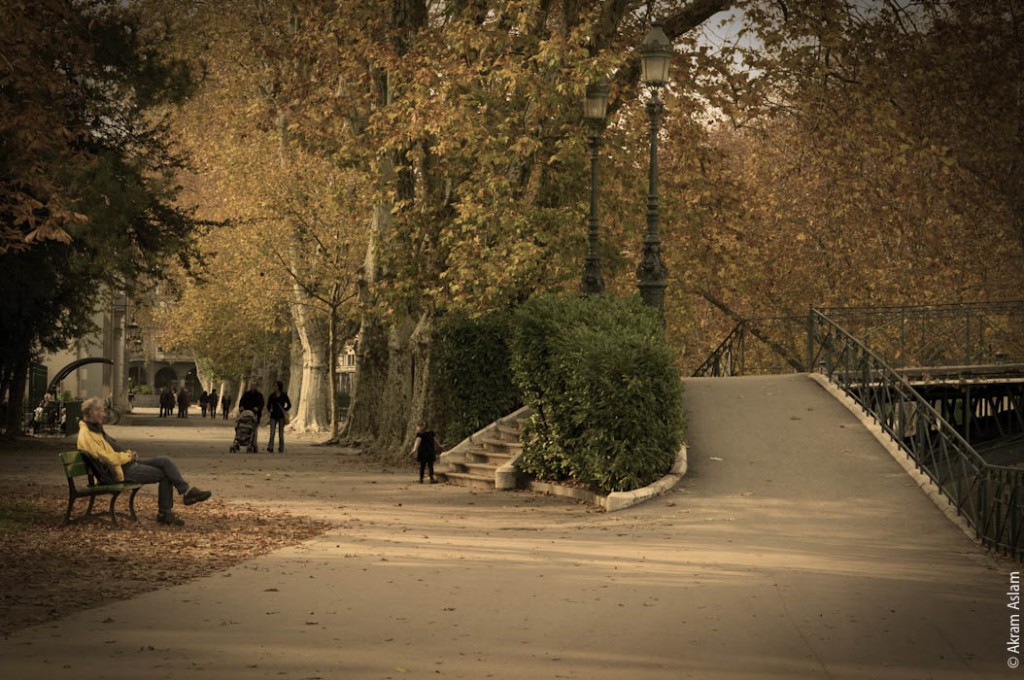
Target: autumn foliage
383	164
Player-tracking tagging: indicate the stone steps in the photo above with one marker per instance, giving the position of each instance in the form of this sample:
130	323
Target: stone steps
475	461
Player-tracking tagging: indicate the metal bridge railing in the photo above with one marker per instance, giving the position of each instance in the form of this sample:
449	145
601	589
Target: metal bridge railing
728	358
919	336
967	334
764	345
988	497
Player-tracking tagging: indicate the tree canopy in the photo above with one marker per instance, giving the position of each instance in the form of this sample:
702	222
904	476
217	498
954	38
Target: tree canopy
431	157
87	176
864	154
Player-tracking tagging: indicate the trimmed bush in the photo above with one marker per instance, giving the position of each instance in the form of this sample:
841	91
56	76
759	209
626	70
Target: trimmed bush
609	396
471	364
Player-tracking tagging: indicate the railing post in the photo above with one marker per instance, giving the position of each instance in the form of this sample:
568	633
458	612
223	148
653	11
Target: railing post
743	347
810	340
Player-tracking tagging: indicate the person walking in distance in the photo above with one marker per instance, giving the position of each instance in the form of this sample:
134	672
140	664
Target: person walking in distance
166	402
225	405
278	405
183	403
212	403
424	449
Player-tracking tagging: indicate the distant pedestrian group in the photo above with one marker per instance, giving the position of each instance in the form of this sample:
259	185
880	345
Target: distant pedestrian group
166	402
208	402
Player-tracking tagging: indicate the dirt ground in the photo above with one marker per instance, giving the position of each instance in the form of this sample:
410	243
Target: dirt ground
49	571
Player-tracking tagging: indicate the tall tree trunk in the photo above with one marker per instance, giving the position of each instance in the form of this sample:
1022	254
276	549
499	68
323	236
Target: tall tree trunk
295	358
310	415
369	388
16	396
369	382
424	405
229	388
333	350
402	386
402	398
386	390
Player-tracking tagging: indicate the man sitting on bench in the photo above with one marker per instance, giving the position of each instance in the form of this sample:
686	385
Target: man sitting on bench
93	440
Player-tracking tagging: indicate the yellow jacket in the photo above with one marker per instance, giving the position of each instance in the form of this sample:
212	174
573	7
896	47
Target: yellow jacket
97	445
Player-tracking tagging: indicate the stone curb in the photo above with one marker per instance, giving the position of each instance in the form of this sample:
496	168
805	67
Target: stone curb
619	500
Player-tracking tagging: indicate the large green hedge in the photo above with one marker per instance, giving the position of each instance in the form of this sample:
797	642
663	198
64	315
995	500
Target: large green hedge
471	364
608	394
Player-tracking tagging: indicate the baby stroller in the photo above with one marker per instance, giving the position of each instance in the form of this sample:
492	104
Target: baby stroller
245	432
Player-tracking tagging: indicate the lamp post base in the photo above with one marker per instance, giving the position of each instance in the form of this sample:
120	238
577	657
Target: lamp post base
593	282
653	280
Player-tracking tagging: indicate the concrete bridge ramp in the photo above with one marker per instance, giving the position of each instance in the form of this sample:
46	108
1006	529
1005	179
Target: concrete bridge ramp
830	545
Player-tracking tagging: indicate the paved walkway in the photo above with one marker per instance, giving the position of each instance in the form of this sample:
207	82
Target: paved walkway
795	548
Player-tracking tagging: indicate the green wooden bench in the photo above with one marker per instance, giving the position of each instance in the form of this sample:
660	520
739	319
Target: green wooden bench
75	468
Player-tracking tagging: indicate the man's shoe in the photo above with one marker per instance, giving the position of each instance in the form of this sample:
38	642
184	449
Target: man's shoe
169	518
194	495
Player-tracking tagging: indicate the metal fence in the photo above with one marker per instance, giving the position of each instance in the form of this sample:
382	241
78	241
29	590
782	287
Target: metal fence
969	334
765	345
988	497
918	336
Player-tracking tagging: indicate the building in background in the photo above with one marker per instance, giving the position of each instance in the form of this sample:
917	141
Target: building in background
130	340
346	369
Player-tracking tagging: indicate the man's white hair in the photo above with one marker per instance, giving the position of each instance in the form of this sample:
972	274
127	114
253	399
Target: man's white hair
91	405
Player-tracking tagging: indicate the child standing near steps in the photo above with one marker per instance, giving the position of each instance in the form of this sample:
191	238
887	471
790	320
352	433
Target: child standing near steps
425	450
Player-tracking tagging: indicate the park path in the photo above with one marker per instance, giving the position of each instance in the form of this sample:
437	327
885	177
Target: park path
796	547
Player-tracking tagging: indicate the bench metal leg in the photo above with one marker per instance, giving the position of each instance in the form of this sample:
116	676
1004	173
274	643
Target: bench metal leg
131	504
113	500
71	506
111	511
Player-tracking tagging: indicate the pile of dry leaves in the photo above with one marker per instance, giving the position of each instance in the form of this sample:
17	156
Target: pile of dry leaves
49	571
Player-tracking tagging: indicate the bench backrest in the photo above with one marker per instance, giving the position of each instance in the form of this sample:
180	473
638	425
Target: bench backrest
74	464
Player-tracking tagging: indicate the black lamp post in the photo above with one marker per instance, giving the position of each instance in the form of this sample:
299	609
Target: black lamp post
595	109
655	55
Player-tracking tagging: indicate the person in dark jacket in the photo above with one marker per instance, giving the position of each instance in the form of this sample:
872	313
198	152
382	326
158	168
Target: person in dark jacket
225	405
278	405
425	450
166	402
183	403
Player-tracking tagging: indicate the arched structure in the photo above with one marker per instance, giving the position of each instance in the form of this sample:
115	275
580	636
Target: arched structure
165	377
72	367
